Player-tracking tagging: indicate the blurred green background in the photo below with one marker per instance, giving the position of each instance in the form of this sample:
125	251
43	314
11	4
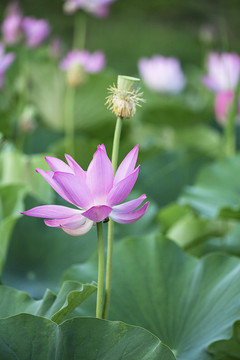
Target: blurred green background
178	135
143	28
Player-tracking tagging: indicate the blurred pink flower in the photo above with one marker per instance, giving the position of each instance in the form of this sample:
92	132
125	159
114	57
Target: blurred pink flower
98	8
223	71
91	63
223	101
5	61
36	31
11	26
162	74
96	192
222	78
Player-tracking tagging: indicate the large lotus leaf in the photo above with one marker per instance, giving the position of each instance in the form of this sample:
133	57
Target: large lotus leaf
18	168
11	203
217	190
164	176
228	349
27	336
55	307
188	303
228	243
182	225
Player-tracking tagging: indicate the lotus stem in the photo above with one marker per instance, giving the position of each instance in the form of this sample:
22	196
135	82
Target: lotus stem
115	151
99	306
79	31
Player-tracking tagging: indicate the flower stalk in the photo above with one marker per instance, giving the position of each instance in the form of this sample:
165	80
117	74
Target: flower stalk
127	91
79	37
99	305
69	115
115	151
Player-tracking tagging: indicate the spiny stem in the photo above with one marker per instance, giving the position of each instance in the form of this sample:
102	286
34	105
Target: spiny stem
115	151
99	305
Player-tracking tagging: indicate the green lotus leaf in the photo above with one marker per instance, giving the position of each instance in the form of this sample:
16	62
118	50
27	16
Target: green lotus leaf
11	203
216	193
188	303
18	168
227	349
170	172
26	336
56	307
182	225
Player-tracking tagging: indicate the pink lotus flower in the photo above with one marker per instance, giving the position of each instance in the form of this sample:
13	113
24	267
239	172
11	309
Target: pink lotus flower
36	31
96	192
162	74
11	27
223	72
222	78
91	63
5	61
99	8
222	104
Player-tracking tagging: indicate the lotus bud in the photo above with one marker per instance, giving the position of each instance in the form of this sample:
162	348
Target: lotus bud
75	76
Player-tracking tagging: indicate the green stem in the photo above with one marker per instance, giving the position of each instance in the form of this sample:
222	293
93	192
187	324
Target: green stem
230	127
80	27
69	115
115	151
23	94
100	271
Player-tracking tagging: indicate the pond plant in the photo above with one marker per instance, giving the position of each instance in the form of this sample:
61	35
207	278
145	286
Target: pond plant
127	262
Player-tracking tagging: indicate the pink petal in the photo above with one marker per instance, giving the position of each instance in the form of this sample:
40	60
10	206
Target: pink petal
51	212
210	83
127	218
6	61
72	222
58	165
223	102
100	175
97	213
129	205
75	167
74	189
122	189
127	165
48	176
79	231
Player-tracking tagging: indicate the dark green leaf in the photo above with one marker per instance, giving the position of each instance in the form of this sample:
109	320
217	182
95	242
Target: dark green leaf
188	303
56	307
217	190
227	349
164	176
182	225
28	337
